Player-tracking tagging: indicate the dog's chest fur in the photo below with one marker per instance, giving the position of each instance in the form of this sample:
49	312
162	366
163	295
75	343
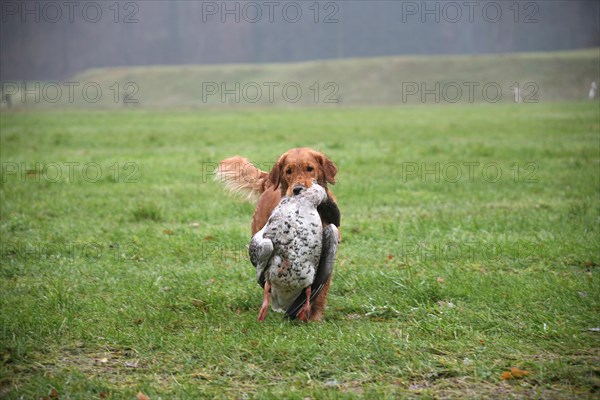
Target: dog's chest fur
296	232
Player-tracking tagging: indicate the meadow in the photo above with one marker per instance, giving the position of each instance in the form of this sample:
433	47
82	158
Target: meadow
468	267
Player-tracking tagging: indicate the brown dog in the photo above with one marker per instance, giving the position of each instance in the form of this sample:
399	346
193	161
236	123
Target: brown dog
296	168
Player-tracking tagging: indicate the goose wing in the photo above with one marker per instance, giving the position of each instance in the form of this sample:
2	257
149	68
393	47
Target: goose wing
260	251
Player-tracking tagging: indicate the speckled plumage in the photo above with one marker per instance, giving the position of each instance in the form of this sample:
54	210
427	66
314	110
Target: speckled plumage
287	251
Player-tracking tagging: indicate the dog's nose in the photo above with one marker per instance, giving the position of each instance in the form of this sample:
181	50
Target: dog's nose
298	189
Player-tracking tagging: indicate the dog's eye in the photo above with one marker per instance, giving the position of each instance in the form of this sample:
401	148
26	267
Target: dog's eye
288	171
310	168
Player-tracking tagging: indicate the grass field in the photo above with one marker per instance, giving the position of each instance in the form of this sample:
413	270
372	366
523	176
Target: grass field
470	247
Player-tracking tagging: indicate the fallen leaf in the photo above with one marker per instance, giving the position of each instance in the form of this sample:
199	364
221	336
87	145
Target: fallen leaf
588	263
195	224
198	303
103	360
440	280
142	396
201	375
5	358
506	375
514	373
518	373
209	237
168	232
53	394
390	257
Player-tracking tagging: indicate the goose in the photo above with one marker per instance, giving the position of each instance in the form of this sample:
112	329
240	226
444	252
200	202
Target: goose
293	253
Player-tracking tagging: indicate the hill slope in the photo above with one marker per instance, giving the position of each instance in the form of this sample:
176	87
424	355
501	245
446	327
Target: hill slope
554	76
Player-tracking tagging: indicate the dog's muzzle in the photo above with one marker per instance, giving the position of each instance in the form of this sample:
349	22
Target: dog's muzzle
298	189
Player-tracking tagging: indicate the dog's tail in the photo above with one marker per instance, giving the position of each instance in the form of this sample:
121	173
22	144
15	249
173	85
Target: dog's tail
242	177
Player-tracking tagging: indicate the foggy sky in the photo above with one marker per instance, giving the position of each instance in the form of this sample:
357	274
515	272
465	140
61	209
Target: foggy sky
45	40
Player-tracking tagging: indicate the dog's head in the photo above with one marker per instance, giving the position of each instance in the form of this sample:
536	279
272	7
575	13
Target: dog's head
297	168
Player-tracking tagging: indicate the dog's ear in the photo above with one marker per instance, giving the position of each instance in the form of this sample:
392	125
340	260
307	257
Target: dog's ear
275	174
328	167
330	170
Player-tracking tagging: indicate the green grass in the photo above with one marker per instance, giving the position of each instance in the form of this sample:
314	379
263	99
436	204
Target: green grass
138	279
398	80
